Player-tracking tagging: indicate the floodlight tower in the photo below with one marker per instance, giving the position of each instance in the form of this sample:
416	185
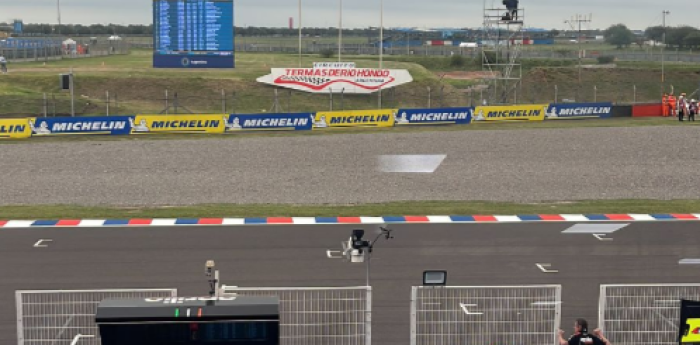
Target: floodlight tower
502	39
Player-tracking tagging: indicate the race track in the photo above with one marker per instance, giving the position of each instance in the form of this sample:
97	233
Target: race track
474	254
496	165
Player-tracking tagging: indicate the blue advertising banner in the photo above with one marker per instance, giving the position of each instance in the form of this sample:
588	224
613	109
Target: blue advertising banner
432	116
270	122
578	110
106	125
193	61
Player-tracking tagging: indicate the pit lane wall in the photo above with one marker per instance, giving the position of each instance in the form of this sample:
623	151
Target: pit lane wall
151	124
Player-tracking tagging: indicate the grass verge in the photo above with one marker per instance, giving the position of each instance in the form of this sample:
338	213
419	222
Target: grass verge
384	209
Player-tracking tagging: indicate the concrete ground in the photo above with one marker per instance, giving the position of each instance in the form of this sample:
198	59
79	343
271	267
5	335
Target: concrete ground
496	165
473	254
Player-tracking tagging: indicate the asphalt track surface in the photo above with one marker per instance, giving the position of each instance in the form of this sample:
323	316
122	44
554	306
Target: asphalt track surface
281	256
496	165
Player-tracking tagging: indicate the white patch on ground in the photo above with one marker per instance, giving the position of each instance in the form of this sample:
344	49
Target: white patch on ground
421	164
594	228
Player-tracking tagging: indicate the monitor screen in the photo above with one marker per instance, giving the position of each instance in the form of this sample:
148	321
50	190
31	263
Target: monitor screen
193	34
191	333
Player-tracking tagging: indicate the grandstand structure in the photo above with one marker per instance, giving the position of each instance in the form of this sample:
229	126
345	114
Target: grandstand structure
503	36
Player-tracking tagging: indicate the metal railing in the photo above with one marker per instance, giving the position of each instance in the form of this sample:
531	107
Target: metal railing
262	99
643	314
319	316
57	316
515	315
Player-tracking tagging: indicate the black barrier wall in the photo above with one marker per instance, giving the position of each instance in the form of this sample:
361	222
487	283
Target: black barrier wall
622	111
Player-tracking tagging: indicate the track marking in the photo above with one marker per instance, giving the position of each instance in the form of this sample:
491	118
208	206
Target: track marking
410	163
689	262
601	237
466	311
40	243
543	268
587	228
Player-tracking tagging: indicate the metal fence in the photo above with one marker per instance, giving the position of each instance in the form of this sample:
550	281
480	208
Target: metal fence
514	315
643	314
320	316
57	316
260	100
57	51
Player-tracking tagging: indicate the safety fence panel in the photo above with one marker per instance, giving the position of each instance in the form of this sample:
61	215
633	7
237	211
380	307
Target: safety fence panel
319	316
57	316
494	315
643	314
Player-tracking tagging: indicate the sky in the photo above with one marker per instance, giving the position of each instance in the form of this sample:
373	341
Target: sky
636	14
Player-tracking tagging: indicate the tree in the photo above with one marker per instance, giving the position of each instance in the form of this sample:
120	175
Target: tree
692	40
619	35
655	33
676	36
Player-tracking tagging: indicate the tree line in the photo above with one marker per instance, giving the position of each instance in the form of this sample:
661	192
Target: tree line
681	37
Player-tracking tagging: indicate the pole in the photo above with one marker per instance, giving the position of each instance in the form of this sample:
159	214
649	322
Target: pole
72	94
429	96
580	52
663	46
223	101
299	33
58	7
107	96
217	284
408	43
595	93
167	105
369	267
46	106
340	32
381	45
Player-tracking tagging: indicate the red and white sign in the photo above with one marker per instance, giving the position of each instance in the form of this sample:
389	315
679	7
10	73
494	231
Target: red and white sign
337	77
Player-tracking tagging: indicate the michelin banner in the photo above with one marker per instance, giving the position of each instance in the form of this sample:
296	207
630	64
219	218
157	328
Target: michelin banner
355	118
146	124
460	116
578	110
15	128
105	125
270	122
527	112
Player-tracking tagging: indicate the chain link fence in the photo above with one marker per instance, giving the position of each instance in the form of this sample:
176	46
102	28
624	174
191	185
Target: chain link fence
58	316
270	100
319	316
44	50
516	315
643	314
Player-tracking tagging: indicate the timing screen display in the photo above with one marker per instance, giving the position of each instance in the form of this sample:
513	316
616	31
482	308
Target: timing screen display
195	28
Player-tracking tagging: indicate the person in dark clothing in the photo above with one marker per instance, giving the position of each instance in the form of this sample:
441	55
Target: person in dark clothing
581	336
512	7
682	107
692	110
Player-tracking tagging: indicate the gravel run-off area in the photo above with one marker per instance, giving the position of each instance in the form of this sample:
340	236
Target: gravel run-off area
493	165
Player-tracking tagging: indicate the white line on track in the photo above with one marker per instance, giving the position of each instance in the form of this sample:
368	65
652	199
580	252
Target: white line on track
40	243
544	268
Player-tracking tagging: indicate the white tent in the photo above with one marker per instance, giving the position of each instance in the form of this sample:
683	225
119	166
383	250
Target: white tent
69	42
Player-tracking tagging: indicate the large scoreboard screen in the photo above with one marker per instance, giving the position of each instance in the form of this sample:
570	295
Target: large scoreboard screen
193	34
